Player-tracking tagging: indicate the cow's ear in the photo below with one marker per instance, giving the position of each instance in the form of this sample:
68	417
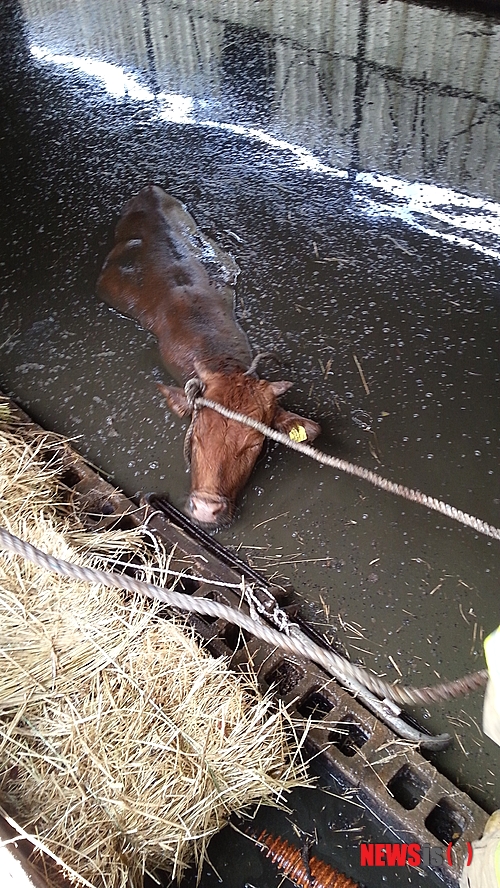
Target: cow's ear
176	398
279	388
298	428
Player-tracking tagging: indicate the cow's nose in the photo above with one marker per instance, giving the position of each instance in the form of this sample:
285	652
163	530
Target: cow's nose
209	509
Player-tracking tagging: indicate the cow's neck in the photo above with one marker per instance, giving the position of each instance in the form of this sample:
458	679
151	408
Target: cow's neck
223	365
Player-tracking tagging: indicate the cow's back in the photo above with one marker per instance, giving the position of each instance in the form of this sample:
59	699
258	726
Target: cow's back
175	282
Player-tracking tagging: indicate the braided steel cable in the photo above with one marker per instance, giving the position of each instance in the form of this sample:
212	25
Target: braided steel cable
306	648
358	471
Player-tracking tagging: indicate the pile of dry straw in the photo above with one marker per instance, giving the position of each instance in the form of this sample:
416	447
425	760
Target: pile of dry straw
123	746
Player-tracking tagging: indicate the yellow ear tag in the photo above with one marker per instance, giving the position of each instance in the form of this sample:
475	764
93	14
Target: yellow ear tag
298	434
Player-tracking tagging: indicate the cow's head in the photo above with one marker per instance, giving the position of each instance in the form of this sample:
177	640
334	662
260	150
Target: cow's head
223	452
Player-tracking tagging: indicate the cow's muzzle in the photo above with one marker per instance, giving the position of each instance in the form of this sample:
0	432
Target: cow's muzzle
209	510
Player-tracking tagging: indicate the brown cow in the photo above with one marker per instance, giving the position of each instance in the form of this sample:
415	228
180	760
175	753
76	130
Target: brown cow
180	285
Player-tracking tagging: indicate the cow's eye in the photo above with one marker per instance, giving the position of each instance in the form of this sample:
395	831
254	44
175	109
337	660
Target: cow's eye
254	445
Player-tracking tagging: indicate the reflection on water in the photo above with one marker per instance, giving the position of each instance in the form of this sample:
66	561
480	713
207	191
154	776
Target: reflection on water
393	87
438	211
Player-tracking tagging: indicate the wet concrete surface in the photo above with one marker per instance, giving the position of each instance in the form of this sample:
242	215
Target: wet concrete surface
377	285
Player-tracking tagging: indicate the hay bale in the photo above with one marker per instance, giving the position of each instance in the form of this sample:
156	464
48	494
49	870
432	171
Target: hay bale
123	746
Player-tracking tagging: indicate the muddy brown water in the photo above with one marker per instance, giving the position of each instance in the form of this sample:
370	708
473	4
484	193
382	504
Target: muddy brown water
367	233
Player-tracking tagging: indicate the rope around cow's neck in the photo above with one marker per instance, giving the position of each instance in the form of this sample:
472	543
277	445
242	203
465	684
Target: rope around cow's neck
205	607
351	469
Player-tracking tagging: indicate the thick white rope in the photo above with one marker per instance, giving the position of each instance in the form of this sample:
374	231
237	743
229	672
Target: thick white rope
204	607
358	471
